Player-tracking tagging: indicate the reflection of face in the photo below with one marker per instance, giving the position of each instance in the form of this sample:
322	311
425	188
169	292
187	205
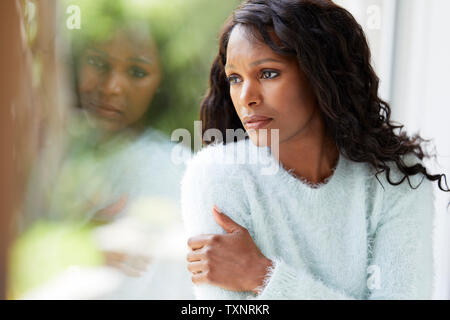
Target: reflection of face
266	84
117	81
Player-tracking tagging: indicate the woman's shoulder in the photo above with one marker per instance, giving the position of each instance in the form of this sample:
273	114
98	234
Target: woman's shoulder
147	164
229	159
395	175
153	139
212	178
154	148
410	193
223	171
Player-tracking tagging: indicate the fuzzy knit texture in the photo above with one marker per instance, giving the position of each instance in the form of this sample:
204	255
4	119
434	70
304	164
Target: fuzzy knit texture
352	237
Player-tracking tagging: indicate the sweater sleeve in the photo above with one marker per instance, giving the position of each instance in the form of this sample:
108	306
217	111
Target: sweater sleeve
203	185
402	250
400	261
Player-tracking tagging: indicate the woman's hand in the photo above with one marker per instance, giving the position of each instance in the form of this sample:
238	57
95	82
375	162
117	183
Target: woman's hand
231	261
108	213
131	265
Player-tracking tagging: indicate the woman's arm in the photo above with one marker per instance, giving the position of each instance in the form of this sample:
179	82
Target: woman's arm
400	266
402	250
400	259
231	261
203	185
206	185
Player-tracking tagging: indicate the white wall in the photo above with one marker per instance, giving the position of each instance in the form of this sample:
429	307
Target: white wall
421	101
411	54
377	17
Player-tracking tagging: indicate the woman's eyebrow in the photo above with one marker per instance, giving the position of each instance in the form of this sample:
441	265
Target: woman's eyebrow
229	66
98	51
140	60
132	59
255	63
258	62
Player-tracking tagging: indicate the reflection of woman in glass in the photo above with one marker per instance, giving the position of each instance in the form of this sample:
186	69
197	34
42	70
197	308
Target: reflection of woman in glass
117	80
118	170
349	212
137	180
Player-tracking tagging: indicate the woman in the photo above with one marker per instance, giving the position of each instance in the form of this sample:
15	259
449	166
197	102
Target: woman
137	179
348	213
117	78
118	171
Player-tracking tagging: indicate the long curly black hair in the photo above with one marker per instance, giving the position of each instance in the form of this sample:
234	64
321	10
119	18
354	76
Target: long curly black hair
332	50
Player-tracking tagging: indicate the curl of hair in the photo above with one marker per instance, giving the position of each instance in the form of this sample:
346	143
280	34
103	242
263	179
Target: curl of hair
332	50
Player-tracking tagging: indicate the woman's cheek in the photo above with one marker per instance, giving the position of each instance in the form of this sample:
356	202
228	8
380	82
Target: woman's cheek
234	94
88	81
138	103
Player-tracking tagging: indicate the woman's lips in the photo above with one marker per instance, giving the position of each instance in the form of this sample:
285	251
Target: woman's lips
257	122
105	110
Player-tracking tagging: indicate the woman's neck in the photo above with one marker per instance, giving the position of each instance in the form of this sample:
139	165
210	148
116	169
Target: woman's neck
312	154
132	131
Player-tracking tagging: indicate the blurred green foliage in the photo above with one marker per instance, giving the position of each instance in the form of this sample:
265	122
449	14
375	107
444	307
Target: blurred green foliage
186	32
46	250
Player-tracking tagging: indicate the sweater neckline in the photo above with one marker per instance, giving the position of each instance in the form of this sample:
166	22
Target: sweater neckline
301	184
314	185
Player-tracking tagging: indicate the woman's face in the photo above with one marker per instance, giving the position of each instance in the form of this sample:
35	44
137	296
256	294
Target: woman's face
117	81
269	87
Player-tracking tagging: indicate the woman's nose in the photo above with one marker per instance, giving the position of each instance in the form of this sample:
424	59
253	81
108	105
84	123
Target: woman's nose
114	83
250	95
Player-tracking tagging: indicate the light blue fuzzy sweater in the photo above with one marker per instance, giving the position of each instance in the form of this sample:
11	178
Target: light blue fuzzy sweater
350	238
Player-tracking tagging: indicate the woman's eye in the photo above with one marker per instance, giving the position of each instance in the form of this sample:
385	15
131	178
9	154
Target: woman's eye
233	79
97	62
137	72
269	74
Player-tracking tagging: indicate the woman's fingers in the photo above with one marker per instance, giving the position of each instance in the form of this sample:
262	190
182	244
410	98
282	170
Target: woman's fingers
196	267
196	255
225	221
200	241
112	210
201	277
139	262
112	257
131	265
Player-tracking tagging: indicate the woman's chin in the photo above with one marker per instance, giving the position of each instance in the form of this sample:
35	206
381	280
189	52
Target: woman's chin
259	139
101	123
